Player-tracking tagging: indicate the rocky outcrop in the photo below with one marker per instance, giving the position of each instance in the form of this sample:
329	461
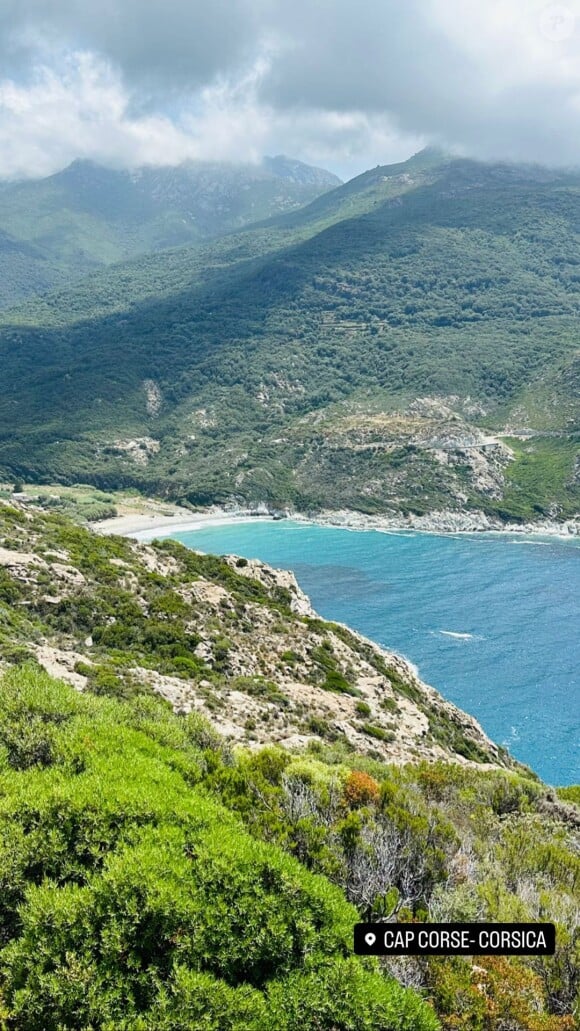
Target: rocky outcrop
230	638
256	570
445	521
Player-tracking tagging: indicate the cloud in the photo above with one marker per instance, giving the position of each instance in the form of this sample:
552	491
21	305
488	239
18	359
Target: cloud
162	44
82	109
348	85
500	78
79	111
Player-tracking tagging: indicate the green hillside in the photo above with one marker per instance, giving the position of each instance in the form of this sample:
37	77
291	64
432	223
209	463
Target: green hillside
372	350
132	898
231	638
159	875
58	229
145	887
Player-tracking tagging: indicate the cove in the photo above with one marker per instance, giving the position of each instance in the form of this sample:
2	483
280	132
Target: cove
491	620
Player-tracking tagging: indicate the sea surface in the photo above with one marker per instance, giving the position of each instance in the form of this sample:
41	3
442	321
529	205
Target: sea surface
492	621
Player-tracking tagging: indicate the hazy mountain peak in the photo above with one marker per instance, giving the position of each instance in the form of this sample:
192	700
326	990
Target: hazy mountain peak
88	215
298	172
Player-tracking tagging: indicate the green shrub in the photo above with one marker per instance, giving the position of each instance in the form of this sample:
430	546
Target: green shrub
362	709
335	681
130	898
378	732
32	708
389	705
570	794
343	998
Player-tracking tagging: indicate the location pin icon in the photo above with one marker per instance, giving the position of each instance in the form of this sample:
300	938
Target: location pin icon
370	938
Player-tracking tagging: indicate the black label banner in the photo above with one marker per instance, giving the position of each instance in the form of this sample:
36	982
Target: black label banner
454	939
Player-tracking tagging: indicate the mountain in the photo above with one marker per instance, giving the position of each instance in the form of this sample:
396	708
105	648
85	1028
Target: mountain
88	216
156	876
297	172
405	343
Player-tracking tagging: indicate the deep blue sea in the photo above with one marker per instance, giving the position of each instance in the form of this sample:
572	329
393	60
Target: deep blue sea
515	602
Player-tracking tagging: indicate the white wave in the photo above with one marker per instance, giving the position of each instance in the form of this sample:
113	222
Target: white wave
533	544
393	533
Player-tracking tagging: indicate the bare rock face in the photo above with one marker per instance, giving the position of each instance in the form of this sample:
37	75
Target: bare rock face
269	577
16	559
388	452
60	663
153	397
137	450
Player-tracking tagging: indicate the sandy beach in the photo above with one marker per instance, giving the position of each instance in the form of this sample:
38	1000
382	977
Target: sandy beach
144	525
146	521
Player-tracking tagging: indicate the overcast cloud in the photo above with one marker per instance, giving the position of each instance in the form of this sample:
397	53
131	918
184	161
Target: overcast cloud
343	84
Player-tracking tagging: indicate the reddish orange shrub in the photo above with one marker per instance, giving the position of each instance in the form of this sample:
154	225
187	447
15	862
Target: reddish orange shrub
491	994
361	789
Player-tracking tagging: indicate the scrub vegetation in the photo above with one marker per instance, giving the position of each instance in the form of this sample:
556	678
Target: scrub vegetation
232	638
199	860
152	878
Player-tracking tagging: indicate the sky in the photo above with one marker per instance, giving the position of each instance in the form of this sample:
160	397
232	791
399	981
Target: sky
345	84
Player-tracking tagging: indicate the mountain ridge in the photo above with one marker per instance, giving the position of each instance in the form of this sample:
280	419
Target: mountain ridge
88	216
321	359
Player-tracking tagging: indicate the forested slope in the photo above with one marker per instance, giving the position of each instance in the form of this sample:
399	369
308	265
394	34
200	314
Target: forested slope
307	343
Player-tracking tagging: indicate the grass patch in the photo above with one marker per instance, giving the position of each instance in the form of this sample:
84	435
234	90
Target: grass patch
378	732
541	481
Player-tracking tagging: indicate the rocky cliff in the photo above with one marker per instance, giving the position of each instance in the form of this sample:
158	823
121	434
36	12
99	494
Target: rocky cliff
230	638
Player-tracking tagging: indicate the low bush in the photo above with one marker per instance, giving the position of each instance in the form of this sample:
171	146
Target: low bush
132	899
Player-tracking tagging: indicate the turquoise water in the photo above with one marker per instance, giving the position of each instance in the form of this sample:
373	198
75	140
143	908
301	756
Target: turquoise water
518	671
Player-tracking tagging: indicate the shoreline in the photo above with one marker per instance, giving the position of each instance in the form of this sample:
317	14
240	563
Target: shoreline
144	525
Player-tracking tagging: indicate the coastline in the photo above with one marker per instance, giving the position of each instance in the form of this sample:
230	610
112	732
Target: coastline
143	525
